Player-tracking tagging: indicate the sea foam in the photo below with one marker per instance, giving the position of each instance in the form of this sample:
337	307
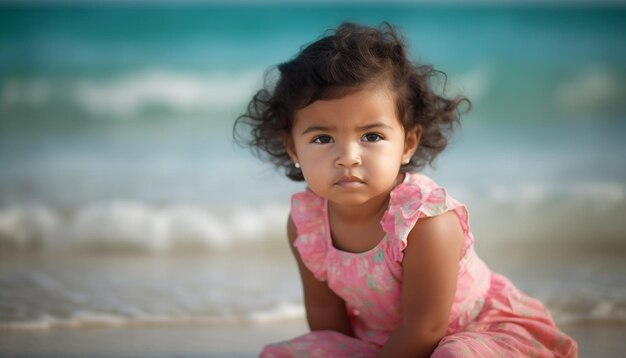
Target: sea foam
137	227
501	212
134	94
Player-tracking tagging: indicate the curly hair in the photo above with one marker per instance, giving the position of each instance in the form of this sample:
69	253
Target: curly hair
350	57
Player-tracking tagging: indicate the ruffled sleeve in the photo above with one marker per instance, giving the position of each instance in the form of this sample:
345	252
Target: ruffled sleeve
307	213
418	197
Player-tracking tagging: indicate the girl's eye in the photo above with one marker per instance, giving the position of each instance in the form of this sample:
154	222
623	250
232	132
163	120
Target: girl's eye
322	139
372	137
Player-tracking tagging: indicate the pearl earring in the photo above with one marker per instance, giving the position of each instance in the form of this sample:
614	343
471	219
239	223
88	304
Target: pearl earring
297	165
406	161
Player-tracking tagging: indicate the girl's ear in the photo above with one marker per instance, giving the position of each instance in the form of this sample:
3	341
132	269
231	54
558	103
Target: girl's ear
411	141
291	150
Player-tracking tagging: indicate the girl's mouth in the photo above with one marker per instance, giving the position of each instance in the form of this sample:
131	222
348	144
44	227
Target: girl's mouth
349	182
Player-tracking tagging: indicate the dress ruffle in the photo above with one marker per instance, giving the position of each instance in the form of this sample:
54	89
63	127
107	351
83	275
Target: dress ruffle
419	197
307	213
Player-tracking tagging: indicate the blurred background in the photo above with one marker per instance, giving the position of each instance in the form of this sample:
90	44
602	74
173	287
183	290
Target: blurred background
123	199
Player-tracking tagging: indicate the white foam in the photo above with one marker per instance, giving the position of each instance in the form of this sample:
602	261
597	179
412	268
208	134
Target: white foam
529	194
594	88
279	312
247	223
475	83
82	318
138	227
128	95
180	92
585	310
532	194
566	310
282	311
582	208
27	226
119	225
134	225
190	226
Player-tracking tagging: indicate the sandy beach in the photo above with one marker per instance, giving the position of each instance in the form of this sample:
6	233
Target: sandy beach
596	327
147	341
597	340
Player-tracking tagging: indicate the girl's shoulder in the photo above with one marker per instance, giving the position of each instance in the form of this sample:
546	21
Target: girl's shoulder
419	197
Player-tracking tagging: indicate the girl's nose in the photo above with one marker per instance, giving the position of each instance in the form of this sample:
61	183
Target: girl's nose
348	156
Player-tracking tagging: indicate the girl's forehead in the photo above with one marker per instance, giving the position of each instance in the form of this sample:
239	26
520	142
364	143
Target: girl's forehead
377	99
361	104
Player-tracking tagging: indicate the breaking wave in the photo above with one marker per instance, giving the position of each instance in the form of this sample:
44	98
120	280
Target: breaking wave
571	212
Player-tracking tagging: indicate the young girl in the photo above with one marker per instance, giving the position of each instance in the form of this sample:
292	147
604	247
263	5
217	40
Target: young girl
386	255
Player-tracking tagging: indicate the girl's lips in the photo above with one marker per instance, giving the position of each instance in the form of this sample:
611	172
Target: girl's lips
349	179
349	182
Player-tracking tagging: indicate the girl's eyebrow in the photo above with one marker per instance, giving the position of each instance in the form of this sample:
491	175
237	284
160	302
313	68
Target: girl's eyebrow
374	125
315	128
318	128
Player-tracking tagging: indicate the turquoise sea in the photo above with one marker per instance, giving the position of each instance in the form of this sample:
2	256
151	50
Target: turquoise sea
123	199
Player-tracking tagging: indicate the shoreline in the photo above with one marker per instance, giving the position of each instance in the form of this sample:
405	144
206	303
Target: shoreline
233	340
192	340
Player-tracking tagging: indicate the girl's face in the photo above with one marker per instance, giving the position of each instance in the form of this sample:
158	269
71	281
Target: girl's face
350	149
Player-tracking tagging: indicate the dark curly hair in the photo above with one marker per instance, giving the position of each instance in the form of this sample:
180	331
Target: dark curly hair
350	57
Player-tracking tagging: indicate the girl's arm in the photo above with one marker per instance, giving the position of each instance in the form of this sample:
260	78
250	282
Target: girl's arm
430	269
324	309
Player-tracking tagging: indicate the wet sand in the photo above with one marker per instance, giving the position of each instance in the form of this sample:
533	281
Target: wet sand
595	340
147	341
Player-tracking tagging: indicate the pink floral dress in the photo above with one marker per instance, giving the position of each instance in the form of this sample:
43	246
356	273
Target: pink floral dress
489	316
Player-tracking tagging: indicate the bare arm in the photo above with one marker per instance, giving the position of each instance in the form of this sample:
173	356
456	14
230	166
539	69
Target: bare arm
430	269
324	309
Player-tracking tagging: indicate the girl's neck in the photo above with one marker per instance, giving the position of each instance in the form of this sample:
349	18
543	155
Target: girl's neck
363	213
357	229
371	210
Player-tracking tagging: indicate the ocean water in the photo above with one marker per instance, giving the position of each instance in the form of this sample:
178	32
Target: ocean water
124	201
